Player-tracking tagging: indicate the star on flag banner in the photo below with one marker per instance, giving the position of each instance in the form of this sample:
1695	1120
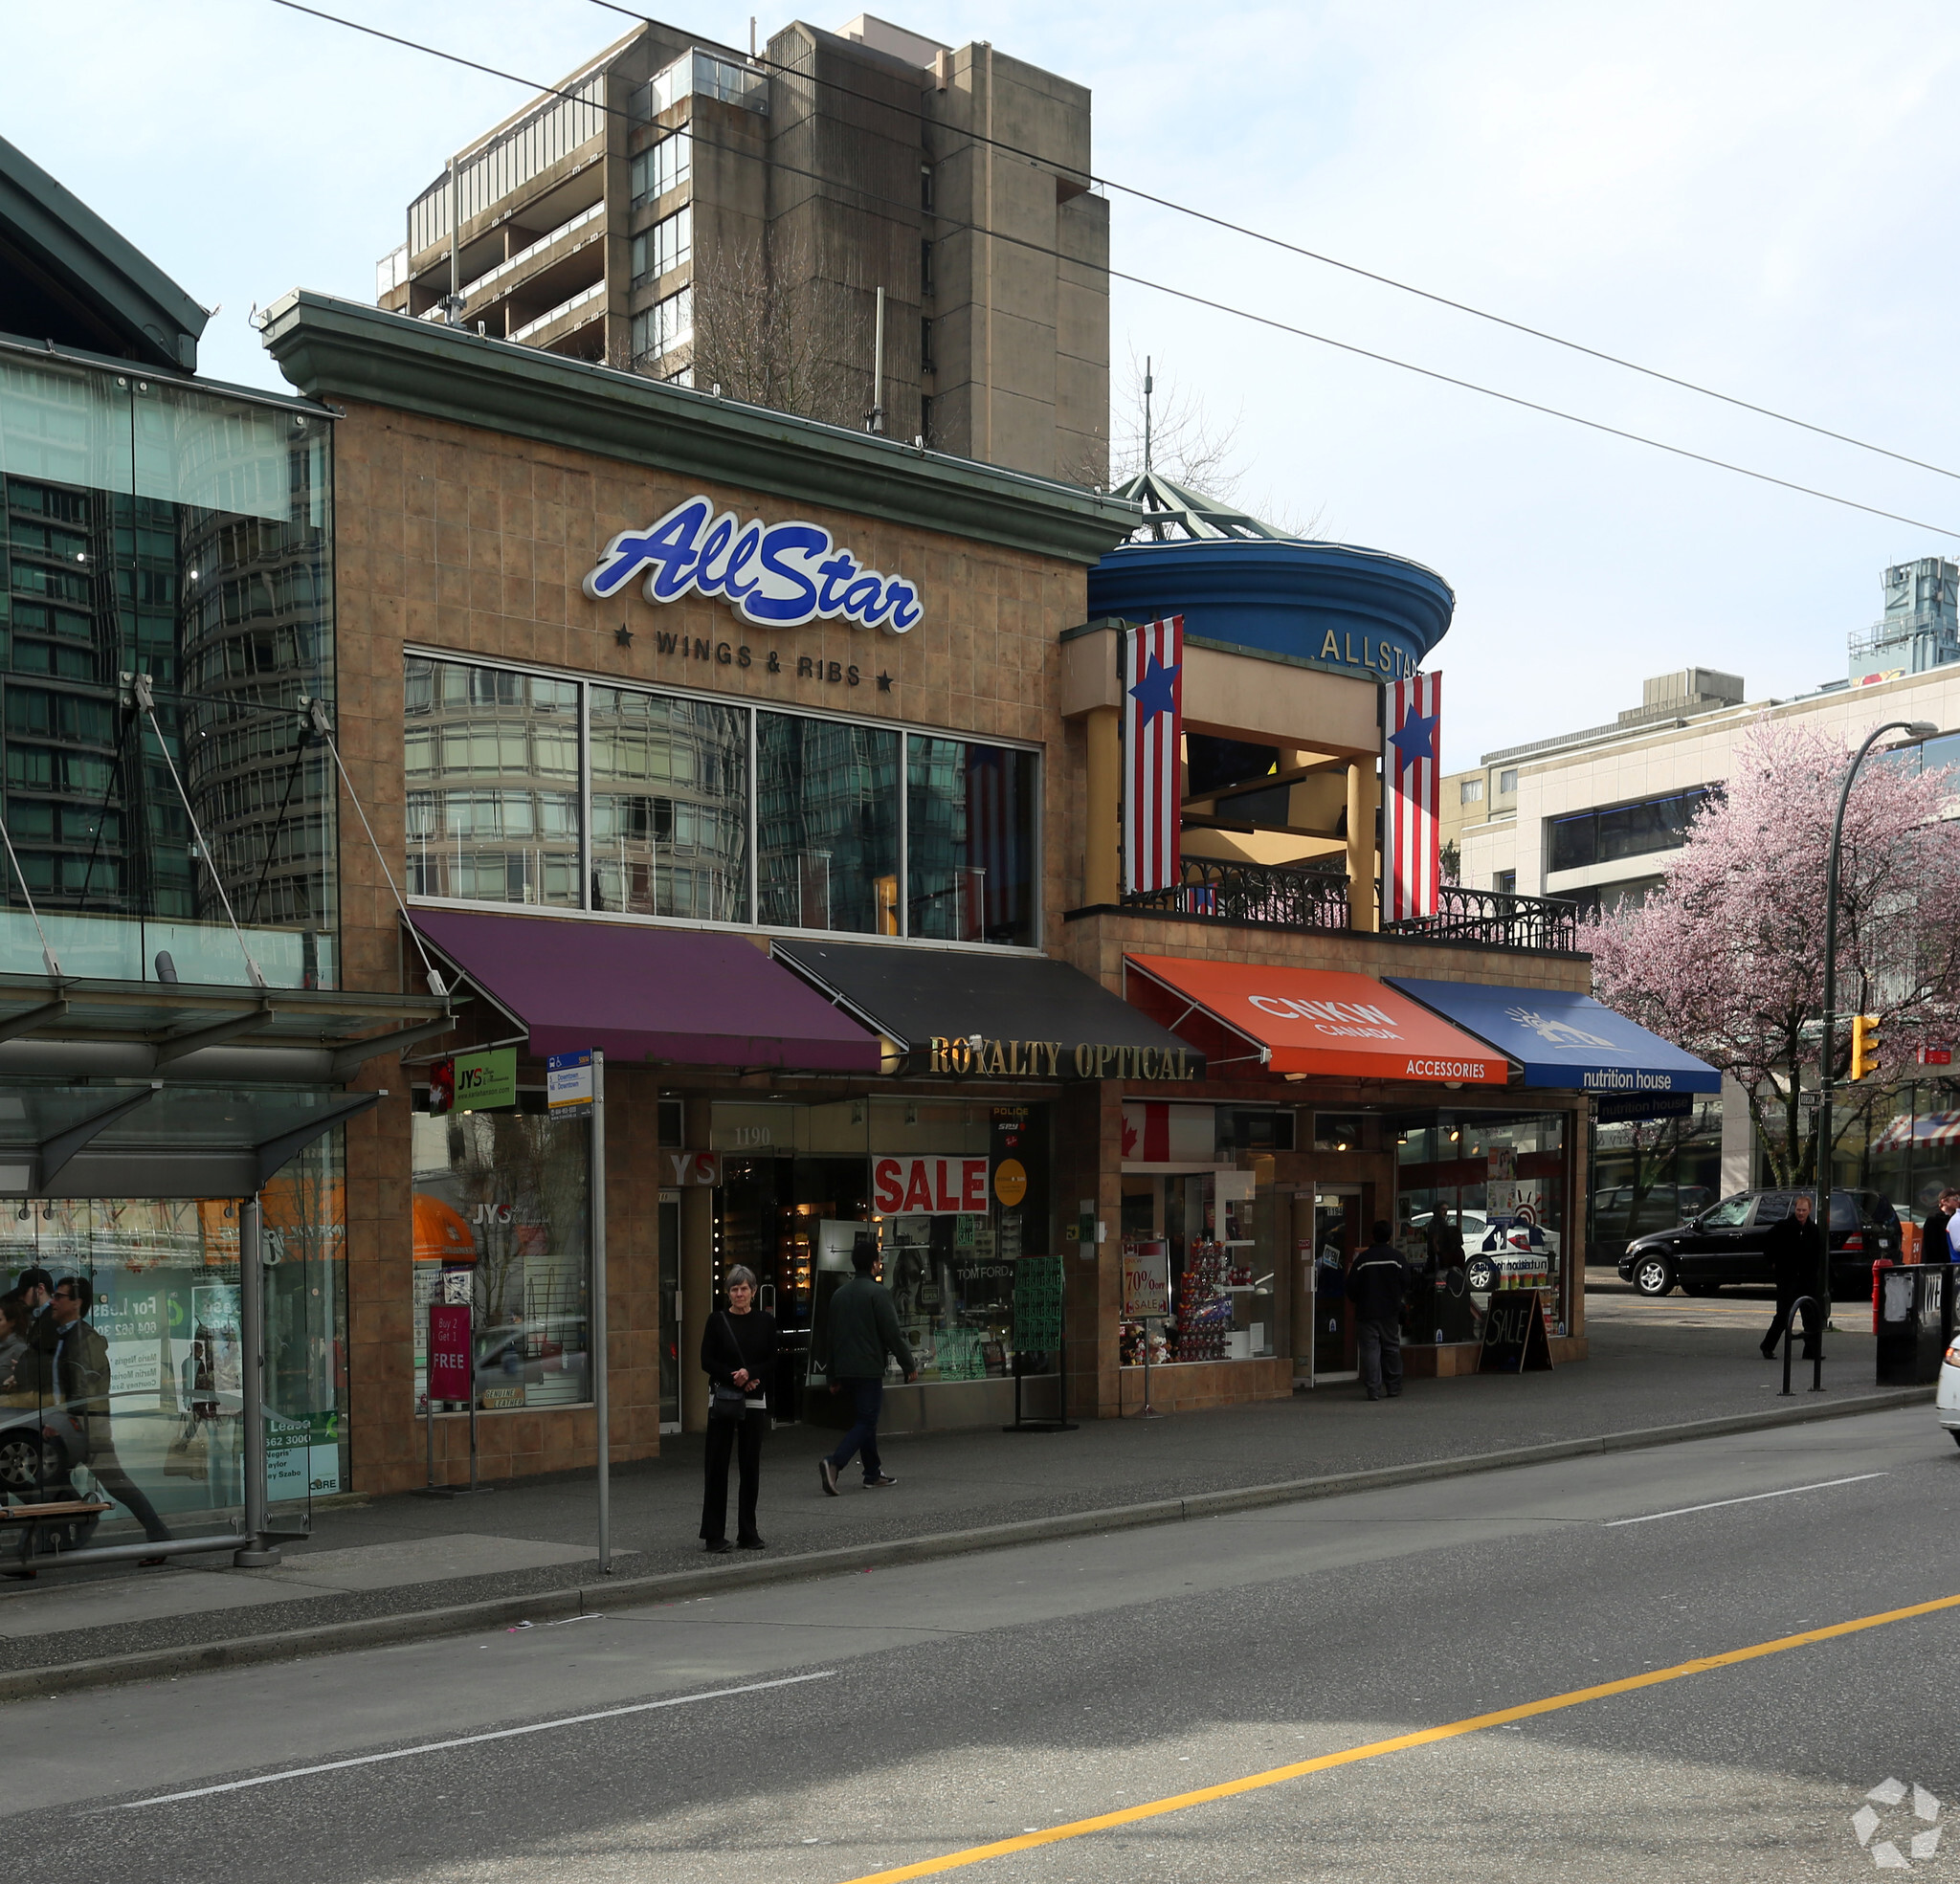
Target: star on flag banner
1412	792
1152	746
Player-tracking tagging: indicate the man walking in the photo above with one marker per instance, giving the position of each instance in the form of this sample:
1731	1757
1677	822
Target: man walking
1796	1249
1374	1286
863	1329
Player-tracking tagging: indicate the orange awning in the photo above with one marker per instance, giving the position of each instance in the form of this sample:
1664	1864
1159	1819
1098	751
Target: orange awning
1311	1020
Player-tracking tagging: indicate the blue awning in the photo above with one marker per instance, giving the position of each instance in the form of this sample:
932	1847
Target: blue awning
1568	1040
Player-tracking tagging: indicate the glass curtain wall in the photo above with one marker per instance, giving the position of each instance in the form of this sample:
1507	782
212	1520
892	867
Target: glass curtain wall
533	788
161	530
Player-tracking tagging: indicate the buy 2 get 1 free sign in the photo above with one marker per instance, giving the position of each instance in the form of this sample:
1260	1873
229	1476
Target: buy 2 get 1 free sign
929	1186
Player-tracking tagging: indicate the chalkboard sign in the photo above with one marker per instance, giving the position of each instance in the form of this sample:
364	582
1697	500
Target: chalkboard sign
1514	1338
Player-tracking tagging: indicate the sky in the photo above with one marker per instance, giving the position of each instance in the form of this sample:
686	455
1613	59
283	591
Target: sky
1751	196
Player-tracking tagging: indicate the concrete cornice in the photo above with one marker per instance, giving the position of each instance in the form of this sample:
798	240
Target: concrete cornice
332	348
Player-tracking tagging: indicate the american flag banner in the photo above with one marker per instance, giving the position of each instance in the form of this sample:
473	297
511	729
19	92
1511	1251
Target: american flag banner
1412	782
1152	744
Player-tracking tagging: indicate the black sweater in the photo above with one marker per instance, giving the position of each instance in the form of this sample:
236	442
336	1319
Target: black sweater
740	1340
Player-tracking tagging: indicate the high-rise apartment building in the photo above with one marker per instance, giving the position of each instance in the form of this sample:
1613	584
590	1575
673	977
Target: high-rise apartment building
689	212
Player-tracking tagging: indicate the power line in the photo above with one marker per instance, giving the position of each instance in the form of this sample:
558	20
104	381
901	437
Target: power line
1326	260
1183	294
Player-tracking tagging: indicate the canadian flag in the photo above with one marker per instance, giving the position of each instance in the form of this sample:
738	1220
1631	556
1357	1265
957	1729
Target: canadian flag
1412	792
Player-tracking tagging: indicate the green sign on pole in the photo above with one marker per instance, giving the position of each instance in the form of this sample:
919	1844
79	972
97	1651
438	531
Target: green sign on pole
485	1079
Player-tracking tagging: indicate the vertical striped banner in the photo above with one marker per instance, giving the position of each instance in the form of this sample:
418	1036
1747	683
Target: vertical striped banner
1152	744
1412	792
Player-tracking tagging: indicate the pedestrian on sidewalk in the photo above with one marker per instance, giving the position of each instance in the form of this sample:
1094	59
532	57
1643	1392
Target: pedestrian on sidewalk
1375	1285
738	1352
1796	1249
1935	1239
864	1328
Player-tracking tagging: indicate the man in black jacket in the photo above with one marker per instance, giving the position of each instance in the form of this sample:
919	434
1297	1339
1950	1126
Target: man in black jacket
1374	1286
1796	1249
1933	1244
864	1330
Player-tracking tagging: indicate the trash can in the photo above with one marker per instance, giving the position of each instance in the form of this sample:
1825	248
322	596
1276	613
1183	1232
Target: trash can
1913	1316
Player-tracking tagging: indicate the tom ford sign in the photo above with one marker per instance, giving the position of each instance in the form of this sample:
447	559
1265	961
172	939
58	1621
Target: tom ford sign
774	575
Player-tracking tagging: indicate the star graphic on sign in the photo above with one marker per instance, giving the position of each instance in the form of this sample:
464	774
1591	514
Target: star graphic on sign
1415	740
885	683
1155	691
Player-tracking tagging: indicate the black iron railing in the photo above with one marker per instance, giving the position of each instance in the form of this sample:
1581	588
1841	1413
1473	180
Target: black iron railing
1292	897
1493	918
1286	897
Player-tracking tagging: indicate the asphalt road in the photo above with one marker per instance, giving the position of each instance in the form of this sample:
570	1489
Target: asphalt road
1002	1696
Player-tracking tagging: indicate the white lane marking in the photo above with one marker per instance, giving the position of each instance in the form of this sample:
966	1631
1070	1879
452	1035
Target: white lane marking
1789	1492
471	1740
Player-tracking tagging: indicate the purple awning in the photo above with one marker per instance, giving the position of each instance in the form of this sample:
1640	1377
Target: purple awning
645	993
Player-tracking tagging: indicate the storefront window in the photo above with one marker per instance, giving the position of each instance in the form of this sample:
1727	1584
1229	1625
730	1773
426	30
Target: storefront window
1216	1236
492	764
1651	1174
503	1221
670	805
952	1194
970	841
827	825
1499	1179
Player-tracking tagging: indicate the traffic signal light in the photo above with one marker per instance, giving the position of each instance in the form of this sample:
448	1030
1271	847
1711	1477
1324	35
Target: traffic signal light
1864	1045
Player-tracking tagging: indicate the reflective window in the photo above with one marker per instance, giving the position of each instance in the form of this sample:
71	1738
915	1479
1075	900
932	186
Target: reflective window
1470	791
827	825
1624	831
167	531
502	1224
664	248
970	841
670	805
493	800
665	326
661	167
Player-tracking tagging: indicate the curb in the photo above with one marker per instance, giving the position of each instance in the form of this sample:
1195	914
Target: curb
500	1611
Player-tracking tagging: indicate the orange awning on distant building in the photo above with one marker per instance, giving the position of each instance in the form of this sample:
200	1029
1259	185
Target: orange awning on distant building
1311	1020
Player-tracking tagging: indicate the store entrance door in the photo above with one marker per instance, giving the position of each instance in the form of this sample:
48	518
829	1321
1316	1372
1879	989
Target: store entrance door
1340	1234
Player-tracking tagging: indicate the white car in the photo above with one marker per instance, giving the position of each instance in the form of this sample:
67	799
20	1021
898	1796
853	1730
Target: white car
1947	1401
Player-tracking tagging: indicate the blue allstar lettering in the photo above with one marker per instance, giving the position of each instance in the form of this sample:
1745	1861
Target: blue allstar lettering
776	575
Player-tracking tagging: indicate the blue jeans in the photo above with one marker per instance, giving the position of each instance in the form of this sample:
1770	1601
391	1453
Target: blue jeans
867	1397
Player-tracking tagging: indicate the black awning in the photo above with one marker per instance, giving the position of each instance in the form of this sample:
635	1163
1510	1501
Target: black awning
1030	1017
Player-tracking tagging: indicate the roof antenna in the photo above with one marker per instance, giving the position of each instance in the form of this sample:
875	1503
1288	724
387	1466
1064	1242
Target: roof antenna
1150	385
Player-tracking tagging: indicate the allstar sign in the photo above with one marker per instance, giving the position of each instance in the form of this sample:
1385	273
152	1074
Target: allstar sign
1415	740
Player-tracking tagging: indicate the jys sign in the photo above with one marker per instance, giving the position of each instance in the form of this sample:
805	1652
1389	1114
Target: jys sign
929	1186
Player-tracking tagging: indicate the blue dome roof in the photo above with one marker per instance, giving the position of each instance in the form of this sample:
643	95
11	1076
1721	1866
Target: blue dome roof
1328	605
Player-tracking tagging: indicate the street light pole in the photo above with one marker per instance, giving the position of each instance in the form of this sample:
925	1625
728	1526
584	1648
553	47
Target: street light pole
1821	1214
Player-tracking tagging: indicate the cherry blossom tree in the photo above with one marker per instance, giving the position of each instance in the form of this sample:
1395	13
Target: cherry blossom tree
1726	958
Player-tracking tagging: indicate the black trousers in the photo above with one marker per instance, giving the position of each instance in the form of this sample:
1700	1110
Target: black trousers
1813	1325
722	1435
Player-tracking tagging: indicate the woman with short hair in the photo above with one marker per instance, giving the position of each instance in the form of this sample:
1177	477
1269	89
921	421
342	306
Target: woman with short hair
738	1352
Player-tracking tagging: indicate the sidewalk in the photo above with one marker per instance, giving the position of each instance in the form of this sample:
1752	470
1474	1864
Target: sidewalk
1653	1364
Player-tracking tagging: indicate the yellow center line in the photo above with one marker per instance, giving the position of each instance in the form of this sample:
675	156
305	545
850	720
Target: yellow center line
1179	1801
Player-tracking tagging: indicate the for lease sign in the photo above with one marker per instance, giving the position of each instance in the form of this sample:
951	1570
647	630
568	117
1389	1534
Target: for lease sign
929	1186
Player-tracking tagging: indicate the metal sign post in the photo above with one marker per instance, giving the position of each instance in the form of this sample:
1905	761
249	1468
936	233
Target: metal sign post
600	1406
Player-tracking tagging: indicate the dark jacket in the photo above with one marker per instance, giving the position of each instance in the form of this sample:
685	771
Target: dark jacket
863	1329
732	1341
1796	1251
1445	1246
1933	1246
1376	1282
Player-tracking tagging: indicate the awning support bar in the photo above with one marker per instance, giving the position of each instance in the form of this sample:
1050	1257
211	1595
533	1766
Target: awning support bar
56	1151
31	1018
272	1153
176	1045
353	1056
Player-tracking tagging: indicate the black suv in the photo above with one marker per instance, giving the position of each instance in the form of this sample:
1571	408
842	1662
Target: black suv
1724	1244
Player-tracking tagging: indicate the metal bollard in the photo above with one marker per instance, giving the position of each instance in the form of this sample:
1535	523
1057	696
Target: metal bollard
1796	1308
